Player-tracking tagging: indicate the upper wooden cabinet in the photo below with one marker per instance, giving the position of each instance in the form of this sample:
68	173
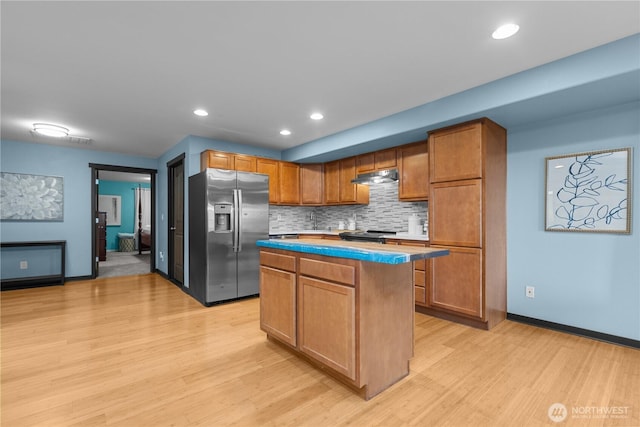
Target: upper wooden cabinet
377	160
270	167
216	159
223	160
413	165
385	159
242	162
311	184
289	176
338	188
332	182
351	193
457	152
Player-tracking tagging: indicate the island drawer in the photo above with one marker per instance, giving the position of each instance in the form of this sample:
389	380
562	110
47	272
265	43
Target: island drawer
279	261
339	273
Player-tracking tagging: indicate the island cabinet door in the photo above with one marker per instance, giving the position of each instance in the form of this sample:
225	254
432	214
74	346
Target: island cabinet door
327	324
278	304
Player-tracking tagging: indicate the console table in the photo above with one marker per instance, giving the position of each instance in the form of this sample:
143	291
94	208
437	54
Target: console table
31	264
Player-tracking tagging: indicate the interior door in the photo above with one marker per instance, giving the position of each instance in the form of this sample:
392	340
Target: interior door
176	220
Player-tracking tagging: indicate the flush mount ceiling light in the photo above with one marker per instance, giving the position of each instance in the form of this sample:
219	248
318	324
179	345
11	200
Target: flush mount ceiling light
200	112
505	31
316	116
285	132
50	130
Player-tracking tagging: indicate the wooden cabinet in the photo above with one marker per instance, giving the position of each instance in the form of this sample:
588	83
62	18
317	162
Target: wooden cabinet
413	168
456	213
278	296
311	184
365	163
353	318
270	167
348	191
328	334
244	163
421	271
457	282
289	180
223	160
385	159
457	153
377	160
332	182
338	189
467	215
216	159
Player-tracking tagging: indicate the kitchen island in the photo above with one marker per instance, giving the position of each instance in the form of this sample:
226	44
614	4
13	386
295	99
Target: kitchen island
346	307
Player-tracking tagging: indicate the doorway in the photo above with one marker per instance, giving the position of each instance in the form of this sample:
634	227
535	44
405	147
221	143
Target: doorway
175	190
123	236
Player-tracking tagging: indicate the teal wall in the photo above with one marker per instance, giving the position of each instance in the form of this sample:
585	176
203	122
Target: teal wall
128	220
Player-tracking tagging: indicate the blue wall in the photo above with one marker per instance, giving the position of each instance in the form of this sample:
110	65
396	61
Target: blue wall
129	212
191	146
586	280
73	165
586	102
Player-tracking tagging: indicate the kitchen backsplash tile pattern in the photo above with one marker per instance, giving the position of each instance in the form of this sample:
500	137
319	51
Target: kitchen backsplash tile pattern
384	212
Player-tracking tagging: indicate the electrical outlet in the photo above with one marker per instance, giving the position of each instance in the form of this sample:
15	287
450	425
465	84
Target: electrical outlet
279	217
24	265
530	292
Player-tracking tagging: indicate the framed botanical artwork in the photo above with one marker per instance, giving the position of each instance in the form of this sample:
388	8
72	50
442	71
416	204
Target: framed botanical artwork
26	197
112	206
589	192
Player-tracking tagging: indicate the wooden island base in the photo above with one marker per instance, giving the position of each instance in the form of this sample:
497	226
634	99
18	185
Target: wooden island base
352	318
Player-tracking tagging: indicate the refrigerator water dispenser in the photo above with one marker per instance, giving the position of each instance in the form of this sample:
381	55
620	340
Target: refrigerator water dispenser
222	212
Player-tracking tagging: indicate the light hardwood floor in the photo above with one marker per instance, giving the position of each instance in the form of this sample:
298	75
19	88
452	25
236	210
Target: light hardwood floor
137	351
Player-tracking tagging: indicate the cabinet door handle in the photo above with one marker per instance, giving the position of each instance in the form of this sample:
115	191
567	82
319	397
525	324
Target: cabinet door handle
172	228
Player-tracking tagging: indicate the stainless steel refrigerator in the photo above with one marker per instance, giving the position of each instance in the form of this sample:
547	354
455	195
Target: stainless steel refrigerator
228	212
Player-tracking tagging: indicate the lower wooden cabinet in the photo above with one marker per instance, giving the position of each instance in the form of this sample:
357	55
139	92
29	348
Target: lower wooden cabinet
327	324
278	304
350	317
457	282
421	272
278	296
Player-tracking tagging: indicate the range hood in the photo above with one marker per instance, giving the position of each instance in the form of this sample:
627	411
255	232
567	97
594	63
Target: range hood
379	177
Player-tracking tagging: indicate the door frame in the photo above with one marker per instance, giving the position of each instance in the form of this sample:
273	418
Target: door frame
95	169
170	201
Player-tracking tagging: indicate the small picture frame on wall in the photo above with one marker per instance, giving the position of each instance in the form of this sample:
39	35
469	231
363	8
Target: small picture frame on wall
589	192
112	206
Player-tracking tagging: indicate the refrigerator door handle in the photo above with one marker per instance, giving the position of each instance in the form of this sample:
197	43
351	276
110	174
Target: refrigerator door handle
239	221
235	216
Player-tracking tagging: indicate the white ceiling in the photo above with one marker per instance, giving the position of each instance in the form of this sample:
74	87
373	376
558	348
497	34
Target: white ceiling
128	75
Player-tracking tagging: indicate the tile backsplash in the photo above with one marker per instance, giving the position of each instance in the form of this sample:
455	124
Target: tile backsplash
384	212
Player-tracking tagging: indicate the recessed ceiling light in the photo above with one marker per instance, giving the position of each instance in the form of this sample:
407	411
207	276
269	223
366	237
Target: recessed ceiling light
200	112
317	116
505	31
285	132
50	130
